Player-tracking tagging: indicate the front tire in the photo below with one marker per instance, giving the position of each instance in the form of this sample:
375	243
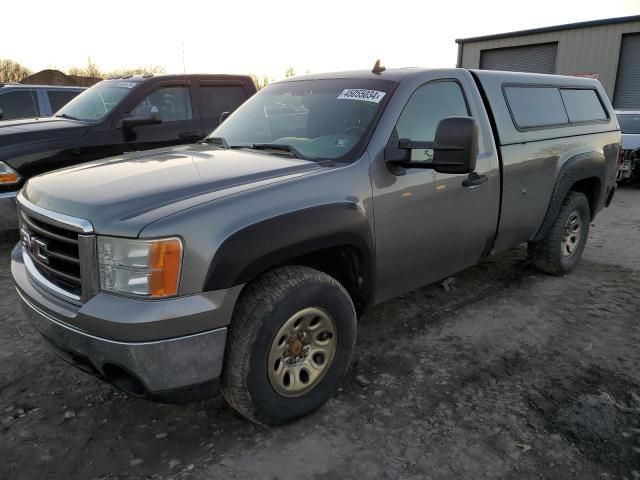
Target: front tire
289	345
560	251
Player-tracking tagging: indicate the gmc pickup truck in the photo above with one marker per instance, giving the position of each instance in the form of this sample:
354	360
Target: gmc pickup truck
244	261
114	117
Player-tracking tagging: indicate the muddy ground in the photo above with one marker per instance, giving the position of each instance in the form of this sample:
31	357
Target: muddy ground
513	374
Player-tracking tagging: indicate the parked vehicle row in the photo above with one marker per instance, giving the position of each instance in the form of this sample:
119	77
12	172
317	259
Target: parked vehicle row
243	262
114	117
630	159
30	101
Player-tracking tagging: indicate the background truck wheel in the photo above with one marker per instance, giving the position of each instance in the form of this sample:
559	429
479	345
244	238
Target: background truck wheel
559	252
289	345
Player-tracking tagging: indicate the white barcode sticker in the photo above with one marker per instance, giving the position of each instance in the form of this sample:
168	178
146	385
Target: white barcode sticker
363	95
126	84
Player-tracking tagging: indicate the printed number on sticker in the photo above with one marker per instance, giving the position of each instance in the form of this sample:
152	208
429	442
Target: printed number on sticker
373	96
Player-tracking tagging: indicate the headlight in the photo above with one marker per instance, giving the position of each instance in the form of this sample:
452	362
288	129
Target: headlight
140	267
8	176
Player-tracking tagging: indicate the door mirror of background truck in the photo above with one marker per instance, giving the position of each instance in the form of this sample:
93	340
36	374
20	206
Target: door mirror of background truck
1	114
454	150
138	121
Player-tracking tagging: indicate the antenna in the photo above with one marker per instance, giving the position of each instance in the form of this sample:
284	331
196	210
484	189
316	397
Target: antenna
184	68
186	96
377	68
36	110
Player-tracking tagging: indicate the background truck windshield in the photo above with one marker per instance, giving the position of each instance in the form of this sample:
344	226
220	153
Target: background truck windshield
629	123
320	119
94	104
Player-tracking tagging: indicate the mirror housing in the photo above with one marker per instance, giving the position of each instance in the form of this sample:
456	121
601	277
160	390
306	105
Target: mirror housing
151	119
1	114
454	150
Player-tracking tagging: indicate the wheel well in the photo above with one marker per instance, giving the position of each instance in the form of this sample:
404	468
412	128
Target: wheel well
346	264
591	188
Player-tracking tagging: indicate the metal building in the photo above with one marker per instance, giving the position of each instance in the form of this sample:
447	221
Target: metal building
606	49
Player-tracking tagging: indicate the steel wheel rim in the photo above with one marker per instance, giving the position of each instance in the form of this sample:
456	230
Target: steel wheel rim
572	234
302	352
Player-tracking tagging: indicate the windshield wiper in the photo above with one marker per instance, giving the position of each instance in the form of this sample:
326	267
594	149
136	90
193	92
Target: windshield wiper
68	117
218	141
279	147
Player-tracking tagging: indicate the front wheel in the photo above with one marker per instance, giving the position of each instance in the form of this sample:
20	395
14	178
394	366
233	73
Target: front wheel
289	345
561	249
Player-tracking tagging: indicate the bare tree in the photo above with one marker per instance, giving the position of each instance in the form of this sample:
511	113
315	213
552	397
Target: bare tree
290	72
11	71
91	70
261	81
148	70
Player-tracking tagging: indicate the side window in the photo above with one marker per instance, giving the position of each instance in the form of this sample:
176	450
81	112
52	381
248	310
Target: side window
536	106
59	98
19	104
583	105
217	99
429	104
172	103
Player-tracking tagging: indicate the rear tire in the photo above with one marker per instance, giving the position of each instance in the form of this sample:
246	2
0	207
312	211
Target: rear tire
560	251
289	345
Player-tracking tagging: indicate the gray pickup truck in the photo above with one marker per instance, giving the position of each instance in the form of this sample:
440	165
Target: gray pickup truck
242	263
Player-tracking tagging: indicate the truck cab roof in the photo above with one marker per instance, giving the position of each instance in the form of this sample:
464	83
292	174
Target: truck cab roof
20	86
189	76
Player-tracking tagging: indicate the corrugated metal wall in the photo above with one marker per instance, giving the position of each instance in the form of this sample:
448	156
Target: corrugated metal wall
530	58
580	51
627	93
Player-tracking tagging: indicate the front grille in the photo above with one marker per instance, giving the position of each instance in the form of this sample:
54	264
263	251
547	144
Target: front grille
54	251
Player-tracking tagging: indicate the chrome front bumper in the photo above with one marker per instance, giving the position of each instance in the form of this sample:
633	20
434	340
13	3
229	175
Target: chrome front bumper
8	211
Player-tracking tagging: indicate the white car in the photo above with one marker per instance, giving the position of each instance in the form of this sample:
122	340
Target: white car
630	125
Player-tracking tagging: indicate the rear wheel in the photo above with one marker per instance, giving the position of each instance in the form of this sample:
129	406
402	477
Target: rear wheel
289	345
561	249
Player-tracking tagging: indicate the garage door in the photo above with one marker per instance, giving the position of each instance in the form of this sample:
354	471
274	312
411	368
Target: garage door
627	92
530	58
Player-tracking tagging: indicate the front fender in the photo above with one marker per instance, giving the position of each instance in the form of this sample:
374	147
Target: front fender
257	248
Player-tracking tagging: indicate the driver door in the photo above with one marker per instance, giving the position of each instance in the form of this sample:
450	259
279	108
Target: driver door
427	224
173	102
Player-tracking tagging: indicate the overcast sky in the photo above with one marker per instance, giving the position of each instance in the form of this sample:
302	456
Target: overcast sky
243	36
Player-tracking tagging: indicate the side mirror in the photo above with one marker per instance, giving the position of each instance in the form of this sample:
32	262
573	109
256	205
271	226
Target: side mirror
223	117
138	121
454	150
1	114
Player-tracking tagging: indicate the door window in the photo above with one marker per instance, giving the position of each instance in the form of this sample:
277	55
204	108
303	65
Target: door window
59	98
429	104
172	103
22	104
217	99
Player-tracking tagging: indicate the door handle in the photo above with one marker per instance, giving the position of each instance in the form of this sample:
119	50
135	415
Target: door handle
191	134
474	181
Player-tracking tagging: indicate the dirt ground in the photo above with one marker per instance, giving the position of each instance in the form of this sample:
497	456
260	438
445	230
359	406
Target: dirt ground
513	374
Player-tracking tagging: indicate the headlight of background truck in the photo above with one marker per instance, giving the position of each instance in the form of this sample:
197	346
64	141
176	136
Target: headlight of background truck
8	176
149	268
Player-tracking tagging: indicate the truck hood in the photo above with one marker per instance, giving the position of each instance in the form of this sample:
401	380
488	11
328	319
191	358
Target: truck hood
39	129
630	141
120	196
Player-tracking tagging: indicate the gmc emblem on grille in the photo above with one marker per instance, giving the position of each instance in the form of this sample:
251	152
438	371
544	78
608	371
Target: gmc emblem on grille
36	247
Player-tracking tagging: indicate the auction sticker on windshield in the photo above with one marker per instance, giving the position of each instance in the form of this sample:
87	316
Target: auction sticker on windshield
373	96
126	84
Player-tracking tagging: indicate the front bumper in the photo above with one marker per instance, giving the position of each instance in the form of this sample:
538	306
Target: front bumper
152	367
8	211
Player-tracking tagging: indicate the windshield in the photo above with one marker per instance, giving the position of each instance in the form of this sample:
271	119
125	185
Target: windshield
312	119
95	103
629	122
